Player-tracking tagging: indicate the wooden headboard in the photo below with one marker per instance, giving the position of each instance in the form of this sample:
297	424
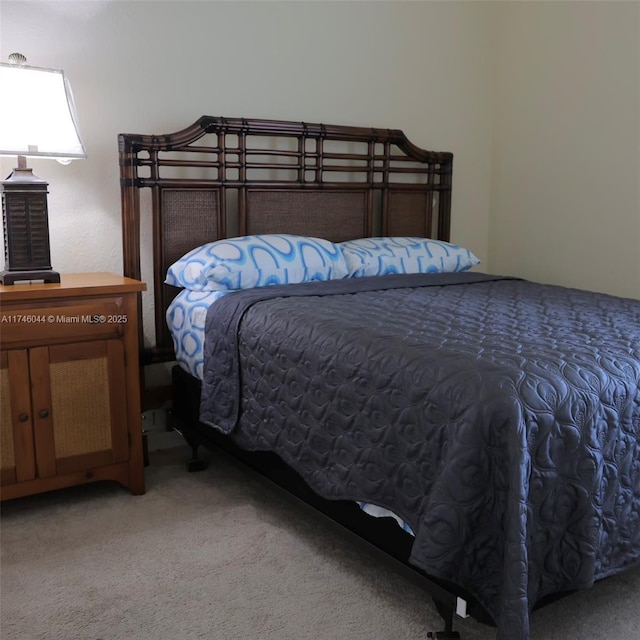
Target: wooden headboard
224	177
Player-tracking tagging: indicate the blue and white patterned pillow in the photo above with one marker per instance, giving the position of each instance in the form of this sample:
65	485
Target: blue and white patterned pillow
382	256
257	261
186	318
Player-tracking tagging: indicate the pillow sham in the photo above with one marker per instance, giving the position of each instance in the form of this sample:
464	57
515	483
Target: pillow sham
382	256
257	261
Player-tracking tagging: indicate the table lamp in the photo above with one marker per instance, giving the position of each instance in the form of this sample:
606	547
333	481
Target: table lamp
37	119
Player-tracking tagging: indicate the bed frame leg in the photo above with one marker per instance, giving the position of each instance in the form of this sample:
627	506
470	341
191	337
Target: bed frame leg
195	463
446	613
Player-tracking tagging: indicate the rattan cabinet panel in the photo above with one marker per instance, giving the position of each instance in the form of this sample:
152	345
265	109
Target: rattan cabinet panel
69	393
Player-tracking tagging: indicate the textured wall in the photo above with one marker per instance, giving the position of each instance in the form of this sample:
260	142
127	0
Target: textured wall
565	198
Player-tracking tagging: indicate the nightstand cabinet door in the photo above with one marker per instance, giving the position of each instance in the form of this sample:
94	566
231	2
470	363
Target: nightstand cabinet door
78	413
17	456
62	409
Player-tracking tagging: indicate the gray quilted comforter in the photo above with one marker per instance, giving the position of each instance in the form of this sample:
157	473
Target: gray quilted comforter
500	418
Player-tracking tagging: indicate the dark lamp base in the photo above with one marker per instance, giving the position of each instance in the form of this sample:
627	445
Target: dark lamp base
26	228
11	277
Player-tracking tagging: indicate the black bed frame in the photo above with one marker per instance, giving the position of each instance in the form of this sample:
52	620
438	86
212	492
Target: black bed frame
225	177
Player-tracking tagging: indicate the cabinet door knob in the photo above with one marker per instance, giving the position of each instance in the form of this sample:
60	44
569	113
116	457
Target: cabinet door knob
23	417
44	413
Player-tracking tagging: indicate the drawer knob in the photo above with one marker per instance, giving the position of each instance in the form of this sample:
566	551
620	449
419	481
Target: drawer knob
23	417
44	413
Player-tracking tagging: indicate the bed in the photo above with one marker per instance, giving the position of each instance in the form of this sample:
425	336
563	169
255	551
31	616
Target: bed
496	418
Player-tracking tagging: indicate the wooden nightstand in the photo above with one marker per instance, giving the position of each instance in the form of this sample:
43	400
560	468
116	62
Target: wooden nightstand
69	384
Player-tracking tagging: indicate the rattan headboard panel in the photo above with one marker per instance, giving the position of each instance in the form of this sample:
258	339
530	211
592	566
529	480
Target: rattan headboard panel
188	216
410	214
334	216
223	177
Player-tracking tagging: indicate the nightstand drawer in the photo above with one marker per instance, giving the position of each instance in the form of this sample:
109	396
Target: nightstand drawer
36	325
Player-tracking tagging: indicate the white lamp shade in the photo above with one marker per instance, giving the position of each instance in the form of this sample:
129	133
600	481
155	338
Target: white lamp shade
37	114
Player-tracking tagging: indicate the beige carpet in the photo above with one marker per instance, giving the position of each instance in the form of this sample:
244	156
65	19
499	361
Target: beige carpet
220	555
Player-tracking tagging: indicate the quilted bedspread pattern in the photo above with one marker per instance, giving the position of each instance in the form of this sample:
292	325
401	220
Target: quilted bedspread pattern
500	418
